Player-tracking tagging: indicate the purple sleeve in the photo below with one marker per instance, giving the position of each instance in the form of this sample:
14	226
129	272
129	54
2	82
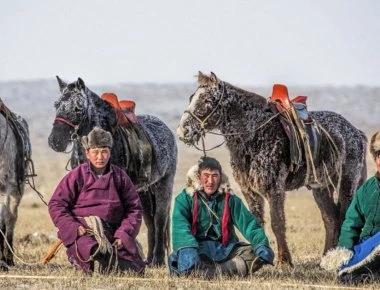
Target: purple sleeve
131	222
60	205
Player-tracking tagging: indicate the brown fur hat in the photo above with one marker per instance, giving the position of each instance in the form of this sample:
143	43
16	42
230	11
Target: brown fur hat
375	144
97	138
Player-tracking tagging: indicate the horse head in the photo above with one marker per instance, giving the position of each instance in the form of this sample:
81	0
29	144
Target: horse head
203	111
71	110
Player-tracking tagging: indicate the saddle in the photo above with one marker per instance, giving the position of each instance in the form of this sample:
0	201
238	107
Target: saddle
136	142
300	128
24	165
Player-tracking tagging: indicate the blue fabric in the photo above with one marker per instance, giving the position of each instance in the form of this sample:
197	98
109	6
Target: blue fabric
214	250
362	250
186	259
301	111
265	254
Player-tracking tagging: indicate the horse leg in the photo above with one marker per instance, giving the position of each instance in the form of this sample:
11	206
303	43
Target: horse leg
255	204
277	213
325	202
10	223
161	219
147	201
3	214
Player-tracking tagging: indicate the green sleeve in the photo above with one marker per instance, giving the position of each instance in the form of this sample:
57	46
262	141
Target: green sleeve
247	223
353	223
181	223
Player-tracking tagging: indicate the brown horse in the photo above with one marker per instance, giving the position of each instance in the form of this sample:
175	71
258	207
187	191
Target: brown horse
259	152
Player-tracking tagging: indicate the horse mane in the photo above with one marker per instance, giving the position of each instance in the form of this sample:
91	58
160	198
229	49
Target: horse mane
242	92
212	81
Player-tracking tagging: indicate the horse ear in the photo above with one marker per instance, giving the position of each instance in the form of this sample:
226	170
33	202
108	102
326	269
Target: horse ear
213	78
80	84
61	84
202	78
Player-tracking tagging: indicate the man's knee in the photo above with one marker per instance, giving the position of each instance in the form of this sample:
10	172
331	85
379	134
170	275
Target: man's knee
184	261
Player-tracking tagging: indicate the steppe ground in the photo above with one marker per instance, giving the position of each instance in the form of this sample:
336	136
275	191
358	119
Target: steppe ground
35	234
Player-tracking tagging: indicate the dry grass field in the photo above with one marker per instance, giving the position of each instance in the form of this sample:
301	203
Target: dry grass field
35	234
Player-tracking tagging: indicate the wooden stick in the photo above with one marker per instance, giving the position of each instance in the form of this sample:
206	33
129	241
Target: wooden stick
54	249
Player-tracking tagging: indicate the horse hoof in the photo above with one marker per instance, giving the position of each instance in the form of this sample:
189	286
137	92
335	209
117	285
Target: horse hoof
4	267
284	264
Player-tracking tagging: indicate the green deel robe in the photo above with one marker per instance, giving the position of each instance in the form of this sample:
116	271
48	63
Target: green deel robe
209	227
363	215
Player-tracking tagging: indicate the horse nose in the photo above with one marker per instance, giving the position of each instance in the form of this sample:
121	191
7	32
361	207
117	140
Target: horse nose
54	144
180	132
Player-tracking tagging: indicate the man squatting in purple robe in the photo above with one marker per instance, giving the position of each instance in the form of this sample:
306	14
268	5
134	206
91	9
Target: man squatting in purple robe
103	192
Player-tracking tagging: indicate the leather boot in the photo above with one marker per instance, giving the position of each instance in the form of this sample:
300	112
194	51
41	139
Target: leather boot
232	267
254	263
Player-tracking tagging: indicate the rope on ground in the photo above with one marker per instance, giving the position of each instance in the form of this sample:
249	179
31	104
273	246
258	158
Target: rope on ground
14	255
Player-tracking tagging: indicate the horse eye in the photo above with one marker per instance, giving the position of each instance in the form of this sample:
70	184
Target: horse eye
77	110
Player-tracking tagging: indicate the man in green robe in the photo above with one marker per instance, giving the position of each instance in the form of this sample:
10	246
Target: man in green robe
204	239
357	256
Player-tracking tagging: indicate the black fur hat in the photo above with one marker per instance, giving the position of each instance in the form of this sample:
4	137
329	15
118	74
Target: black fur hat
97	138
375	144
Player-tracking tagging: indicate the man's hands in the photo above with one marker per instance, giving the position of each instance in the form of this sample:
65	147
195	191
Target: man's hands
81	231
118	244
265	253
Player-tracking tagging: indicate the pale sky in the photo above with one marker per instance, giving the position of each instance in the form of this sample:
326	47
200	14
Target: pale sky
256	42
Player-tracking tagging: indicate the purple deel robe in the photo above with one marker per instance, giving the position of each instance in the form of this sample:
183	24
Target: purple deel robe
112	197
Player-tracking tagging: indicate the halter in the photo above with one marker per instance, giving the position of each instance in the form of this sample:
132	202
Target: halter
203	122
74	136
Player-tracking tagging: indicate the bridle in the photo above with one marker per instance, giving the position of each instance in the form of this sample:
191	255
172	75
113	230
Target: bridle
74	135
202	123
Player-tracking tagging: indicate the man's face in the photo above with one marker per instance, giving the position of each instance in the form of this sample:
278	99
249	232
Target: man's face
210	180
377	161
98	157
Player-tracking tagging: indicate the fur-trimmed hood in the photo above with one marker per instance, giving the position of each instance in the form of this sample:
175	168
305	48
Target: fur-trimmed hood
193	183
375	144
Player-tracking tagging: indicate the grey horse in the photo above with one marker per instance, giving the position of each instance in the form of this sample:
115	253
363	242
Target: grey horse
15	152
259	155
78	110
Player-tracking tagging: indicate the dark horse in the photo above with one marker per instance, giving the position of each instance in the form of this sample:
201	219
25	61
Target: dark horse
15	153
78	110
259	152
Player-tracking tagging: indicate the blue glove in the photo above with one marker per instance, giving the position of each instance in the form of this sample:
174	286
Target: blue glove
265	253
